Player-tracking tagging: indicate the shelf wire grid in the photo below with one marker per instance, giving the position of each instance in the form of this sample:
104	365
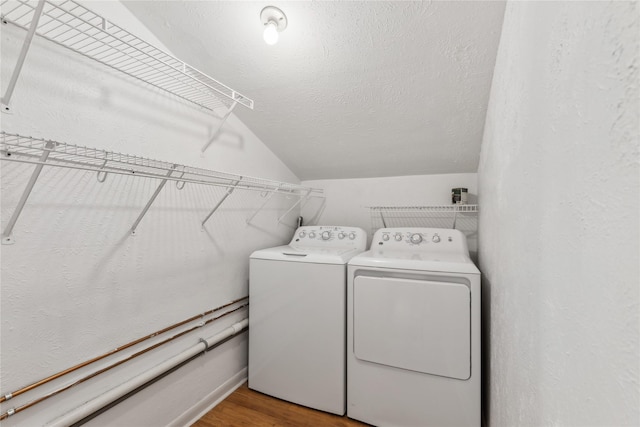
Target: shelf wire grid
23	149
77	28
460	217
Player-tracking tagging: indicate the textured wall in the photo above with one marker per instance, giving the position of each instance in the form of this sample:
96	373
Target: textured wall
558	191
347	200
76	284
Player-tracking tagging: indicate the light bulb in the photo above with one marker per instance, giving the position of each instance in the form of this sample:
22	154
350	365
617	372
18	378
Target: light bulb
271	33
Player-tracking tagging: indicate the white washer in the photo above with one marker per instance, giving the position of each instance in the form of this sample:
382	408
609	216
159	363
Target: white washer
413	330
297	317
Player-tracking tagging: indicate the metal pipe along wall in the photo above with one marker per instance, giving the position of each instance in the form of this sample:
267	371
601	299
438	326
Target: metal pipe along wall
115	393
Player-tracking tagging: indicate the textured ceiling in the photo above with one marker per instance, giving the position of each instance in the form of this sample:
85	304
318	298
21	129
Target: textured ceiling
352	89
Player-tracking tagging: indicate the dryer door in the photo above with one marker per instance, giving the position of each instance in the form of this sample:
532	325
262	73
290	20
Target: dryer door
419	325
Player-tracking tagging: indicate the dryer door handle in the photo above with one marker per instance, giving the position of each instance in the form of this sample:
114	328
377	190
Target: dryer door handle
298	255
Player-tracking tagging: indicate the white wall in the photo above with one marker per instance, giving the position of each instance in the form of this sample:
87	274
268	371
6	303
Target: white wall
347	200
558	192
76	284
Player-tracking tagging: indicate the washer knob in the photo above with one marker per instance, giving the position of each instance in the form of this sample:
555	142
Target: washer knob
312	235
341	235
302	234
385	237
416	238
435	238
398	237
352	235
325	235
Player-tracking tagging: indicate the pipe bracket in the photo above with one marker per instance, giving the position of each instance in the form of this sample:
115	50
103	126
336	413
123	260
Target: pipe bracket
8	396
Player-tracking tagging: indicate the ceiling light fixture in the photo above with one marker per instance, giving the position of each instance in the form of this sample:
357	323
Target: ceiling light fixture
274	21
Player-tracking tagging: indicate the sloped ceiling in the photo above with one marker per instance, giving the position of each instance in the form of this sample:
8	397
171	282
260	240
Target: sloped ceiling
352	89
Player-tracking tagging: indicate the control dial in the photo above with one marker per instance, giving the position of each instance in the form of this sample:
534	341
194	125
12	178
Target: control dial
385	237
416	238
352	235
398	237
341	235
312	235
435	238
326	235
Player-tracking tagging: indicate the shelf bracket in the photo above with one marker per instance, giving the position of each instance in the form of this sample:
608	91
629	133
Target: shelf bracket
384	223
6	98
150	202
219	128
227	194
305	197
264	204
455	217
7	237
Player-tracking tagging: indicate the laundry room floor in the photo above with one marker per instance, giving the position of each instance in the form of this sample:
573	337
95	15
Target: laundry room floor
246	407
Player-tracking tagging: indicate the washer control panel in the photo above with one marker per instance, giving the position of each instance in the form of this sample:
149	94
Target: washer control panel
419	239
329	236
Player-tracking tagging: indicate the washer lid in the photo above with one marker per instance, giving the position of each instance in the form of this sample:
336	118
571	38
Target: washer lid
317	255
408	260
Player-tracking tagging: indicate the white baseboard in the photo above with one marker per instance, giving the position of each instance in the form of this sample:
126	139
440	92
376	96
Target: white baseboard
210	401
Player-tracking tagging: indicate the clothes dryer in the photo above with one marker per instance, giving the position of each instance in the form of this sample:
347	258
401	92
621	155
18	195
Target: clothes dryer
297	317
413	330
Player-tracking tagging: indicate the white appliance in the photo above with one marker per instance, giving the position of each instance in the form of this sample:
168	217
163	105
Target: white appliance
297	317
413	330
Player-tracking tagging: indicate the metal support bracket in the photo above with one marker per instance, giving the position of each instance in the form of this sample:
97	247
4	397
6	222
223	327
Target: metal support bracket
384	223
150	202
7	237
224	119
455	217
263	205
305	197
6	98
227	194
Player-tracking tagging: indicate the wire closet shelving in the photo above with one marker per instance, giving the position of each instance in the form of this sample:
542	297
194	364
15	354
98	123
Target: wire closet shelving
460	217
41	152
75	27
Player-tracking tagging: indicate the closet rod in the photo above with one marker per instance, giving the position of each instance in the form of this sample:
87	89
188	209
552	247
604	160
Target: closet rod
114	351
177	179
28	405
26	149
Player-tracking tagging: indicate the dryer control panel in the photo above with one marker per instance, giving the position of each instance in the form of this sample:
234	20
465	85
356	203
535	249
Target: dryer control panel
330	236
420	239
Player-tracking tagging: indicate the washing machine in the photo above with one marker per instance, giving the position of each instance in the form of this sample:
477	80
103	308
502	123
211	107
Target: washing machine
413	330
297	317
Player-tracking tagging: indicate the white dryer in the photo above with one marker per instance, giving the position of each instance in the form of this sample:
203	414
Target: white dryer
413	330
297	317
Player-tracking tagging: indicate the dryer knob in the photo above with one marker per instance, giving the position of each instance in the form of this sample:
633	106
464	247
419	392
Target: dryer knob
352	236
385	237
416	238
312	235
435	238
302	234
398	237
341	235
325	235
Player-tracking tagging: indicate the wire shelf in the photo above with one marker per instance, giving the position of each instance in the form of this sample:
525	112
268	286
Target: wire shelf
460	217
23	149
70	24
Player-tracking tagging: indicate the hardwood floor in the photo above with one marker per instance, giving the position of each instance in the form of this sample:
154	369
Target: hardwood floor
246	407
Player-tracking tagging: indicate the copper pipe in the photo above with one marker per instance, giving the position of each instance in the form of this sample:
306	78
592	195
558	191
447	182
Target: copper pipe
114	351
118	363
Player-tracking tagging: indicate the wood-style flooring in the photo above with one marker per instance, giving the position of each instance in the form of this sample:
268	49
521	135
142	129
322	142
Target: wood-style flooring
246	407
